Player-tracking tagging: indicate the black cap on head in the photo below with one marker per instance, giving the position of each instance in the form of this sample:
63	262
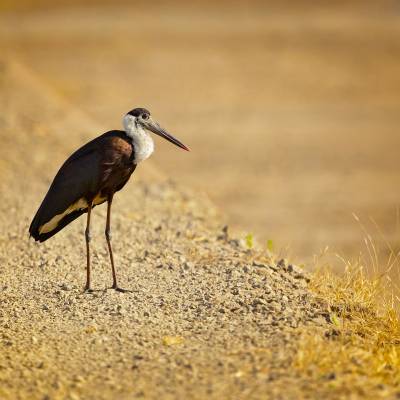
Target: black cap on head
136	112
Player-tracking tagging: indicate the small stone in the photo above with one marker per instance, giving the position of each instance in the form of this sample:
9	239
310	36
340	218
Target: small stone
73	396
40	365
330	377
274	268
172	340
267	288
281	263
79	378
224	235
188	265
257	302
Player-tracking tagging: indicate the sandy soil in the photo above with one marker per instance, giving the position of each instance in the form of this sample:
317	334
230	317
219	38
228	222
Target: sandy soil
205	317
292	109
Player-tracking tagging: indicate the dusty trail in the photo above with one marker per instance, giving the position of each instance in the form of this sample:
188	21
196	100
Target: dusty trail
206	318
292	107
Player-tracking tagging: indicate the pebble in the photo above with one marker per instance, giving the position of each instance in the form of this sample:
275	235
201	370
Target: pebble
65	287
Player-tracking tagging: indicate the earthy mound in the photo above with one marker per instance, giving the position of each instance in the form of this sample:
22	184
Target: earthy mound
206	317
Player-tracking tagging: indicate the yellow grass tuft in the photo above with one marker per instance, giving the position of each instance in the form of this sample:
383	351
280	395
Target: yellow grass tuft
361	350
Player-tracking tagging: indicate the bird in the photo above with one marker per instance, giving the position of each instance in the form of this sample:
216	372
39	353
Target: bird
92	175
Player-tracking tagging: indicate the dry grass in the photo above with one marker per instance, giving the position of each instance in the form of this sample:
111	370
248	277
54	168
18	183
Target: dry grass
360	354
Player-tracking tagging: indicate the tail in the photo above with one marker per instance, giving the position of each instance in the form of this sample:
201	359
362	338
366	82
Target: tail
38	223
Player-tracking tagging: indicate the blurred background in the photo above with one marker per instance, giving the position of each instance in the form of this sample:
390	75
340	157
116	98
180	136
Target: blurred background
291	108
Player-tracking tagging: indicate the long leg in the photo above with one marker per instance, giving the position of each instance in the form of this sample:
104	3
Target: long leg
88	238
108	238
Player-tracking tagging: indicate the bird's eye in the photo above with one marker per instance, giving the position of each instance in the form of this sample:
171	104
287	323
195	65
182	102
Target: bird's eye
145	116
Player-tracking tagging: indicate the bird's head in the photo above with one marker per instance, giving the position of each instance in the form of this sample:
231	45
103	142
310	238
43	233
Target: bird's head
140	118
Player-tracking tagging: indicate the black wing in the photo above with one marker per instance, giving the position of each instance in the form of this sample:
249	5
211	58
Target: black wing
77	179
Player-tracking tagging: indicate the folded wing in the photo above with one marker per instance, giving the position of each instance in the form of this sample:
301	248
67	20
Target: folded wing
76	181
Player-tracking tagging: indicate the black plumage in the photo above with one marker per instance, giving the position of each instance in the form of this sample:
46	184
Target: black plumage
96	170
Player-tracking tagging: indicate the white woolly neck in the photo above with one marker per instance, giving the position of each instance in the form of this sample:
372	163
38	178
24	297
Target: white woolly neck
142	142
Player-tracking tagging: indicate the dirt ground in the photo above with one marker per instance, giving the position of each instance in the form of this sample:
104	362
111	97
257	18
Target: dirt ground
291	108
205	316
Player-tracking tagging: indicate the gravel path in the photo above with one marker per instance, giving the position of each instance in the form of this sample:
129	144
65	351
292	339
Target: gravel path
206	317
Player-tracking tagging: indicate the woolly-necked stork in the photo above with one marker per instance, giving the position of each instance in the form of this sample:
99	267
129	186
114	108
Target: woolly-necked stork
92	175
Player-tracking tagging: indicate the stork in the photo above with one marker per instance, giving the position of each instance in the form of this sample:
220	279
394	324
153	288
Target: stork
92	175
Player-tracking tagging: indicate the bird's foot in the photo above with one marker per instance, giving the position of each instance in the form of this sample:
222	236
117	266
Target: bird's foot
118	289
88	289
